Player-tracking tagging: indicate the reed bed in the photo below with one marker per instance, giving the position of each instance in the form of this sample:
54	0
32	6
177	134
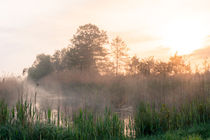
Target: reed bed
25	121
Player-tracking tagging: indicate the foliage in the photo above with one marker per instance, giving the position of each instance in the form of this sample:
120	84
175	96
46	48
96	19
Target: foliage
58	61
90	51
146	66
24	121
120	54
41	67
151	120
133	66
87	47
178	64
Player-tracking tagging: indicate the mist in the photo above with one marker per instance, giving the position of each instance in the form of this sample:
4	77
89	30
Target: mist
94	88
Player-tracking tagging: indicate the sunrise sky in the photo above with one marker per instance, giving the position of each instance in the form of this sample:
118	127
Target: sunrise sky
149	27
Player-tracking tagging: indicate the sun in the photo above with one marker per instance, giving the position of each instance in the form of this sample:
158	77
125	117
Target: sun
183	36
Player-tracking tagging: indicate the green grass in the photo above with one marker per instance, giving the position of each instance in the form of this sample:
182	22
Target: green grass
24	121
196	132
150	120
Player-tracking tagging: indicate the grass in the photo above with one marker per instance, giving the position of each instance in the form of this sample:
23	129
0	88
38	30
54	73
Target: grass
24	121
170	108
150	120
195	132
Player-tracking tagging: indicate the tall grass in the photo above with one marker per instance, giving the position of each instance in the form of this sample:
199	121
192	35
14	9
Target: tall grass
163	104
150	120
24	121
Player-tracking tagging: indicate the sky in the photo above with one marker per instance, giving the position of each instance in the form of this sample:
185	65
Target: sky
156	28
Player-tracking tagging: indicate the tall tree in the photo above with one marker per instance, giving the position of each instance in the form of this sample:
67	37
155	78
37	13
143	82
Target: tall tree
120	54
87	47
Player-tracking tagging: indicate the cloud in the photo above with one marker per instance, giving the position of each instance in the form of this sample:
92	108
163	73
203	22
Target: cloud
201	53
134	37
159	52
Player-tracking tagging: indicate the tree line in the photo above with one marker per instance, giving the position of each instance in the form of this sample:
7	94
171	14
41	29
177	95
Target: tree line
90	50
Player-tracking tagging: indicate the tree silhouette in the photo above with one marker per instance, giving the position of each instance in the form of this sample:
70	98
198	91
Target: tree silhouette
178	64
146	66
119	50
162	68
58	60
42	66
87	47
133	66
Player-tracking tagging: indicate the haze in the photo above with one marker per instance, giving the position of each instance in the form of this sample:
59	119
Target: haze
150	28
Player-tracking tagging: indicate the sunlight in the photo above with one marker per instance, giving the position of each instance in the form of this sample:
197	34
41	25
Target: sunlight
184	36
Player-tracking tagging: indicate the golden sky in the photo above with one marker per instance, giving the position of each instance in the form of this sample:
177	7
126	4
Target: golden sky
149	27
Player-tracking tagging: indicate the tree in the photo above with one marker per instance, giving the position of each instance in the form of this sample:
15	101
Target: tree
119	50
206	65
179	65
58	59
146	66
162	68
71	59
41	67
87	47
134	65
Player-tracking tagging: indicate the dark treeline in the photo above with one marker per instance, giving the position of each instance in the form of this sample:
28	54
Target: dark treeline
91	51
